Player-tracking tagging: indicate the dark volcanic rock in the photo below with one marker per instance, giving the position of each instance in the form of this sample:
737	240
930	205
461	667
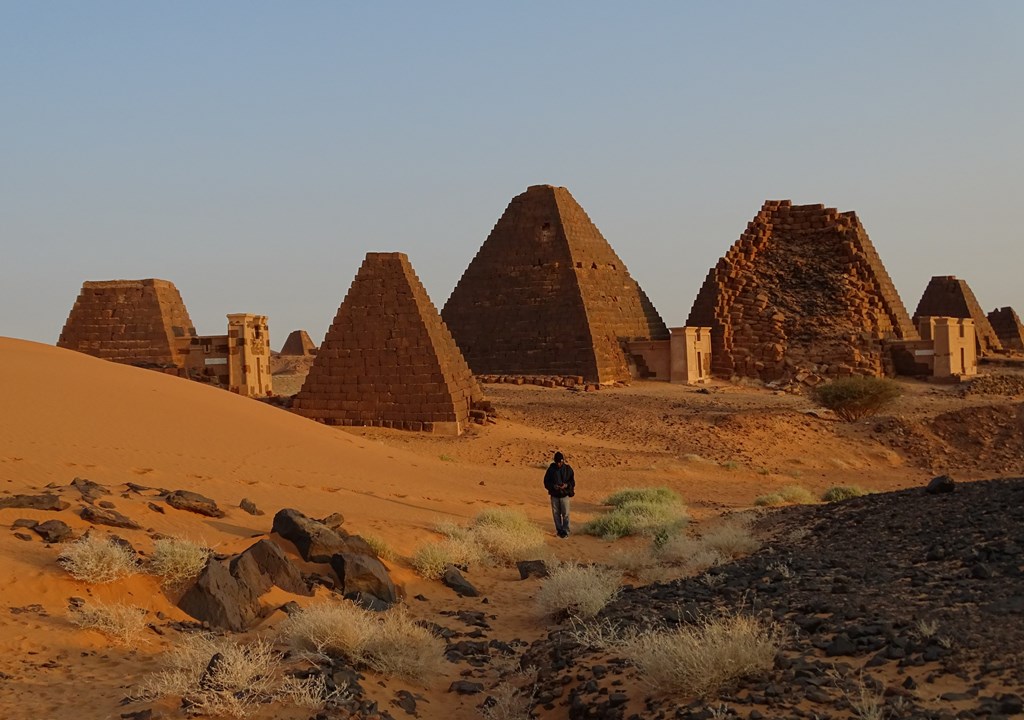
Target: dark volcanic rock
53	531
940	484
250	507
453	579
90	491
532	568
264	565
364	574
314	540
99	516
194	502
46	501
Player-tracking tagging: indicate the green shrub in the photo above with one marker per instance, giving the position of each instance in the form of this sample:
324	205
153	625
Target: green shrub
507	536
856	397
656	496
843	492
657	512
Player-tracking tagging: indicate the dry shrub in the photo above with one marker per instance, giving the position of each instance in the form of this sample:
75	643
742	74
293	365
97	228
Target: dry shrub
789	495
692	553
310	692
507	536
381	547
730	540
657	512
837	493
390	643
177	560
699	659
856	397
98	559
579	590
512	698
241	679
122	623
431	560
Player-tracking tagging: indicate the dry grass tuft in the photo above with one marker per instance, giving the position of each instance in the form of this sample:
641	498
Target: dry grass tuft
122	623
657	512
98	559
381	547
579	590
507	536
731	540
789	495
692	553
512	698
431	560
700	659
837	493
177	560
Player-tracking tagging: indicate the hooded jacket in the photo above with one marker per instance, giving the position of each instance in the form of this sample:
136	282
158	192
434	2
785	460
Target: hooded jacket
559	481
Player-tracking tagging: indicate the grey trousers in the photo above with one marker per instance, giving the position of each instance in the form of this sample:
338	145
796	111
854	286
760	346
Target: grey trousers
560	512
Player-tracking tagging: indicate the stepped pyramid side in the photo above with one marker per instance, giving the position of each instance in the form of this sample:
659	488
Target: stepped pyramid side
948	296
388	359
137	322
298	343
802	290
547	295
1008	328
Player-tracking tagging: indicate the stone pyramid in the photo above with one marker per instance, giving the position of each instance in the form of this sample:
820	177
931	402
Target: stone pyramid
801	292
388	359
137	322
298	343
948	296
1008	328
547	295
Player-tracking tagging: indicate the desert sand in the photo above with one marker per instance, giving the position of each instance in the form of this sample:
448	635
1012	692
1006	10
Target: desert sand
66	415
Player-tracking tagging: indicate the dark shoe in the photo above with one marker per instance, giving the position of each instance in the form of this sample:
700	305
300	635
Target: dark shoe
562	534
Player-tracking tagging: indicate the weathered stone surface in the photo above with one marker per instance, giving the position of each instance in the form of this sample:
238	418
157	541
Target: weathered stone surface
1008	328
315	541
465	687
547	295
264	565
802	291
299	344
250	507
34	502
53	531
532	568
454	579
24	523
366	574
91	491
194	502
940	484
388	359
99	516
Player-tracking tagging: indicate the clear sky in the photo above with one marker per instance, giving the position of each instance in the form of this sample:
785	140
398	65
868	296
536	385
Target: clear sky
253	152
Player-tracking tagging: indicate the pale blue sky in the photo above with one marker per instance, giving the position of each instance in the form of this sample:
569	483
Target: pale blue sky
253	152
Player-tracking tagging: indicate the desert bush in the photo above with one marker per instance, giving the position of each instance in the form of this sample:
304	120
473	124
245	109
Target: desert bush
390	643
512	698
381	547
730	540
242	678
507	536
657	512
580	590
309	692
122	623
856	397
769	500
98	559
837	493
177	560
431	560
692	553
789	495
699	659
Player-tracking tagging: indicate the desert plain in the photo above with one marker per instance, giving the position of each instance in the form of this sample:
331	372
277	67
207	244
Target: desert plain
899	603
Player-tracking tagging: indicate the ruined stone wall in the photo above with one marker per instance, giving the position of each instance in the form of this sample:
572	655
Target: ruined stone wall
801	293
948	296
547	295
298	343
137	322
388	359
1008	328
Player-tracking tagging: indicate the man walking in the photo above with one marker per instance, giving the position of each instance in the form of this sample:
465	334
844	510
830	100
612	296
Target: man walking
561	485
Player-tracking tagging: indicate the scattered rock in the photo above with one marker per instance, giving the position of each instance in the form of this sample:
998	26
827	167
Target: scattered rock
532	568
106	504
359	573
250	507
264	565
453	579
406	701
23	536
155	508
194	502
315	541
24	523
45	501
334	521
90	491
940	484
99	516
465	687
53	531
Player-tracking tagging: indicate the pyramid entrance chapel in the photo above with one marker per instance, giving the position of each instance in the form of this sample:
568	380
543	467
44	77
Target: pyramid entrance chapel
388	360
801	292
547	295
948	296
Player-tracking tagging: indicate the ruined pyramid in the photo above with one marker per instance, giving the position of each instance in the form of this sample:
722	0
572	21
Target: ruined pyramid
298	343
388	359
802	292
137	322
948	296
1008	328
547	295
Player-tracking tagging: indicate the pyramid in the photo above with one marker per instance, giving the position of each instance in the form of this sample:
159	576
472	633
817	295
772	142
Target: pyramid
947	296
802	291
137	322
547	295
298	343
388	359
1008	328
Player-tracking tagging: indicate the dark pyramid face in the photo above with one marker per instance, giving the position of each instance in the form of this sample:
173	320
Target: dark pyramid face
298	343
388	359
136	322
802	288
948	296
547	295
1008	327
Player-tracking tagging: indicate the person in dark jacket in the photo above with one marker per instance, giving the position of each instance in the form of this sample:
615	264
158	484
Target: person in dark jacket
560	483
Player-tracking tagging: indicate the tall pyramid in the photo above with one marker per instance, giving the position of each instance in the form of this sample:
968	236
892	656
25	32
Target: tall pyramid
298	343
137	322
547	295
388	359
802	290
948	296
1008	328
